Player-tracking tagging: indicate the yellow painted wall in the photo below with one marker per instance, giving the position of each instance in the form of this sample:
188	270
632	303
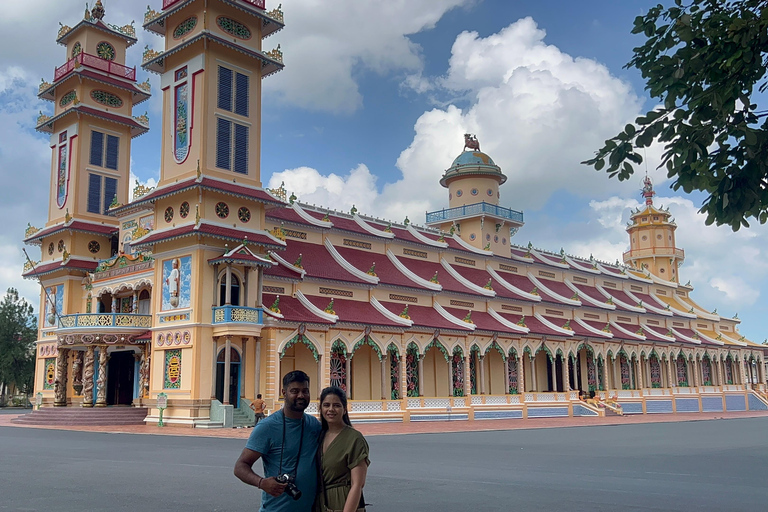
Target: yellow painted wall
366	374
299	357
495	373
436	376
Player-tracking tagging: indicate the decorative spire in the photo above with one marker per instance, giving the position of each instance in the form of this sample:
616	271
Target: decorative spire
468	318
98	10
329	308
372	270
275	307
648	191
297	263
434	278
404	314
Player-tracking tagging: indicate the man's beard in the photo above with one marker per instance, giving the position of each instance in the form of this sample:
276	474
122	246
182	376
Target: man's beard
298	405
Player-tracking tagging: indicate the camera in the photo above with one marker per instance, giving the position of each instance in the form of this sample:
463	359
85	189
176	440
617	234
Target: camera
290	487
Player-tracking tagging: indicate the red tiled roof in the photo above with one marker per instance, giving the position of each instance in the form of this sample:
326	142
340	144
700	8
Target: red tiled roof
590	291
612	270
481	277
423	316
426	270
535	326
72	263
146	335
318	262
75	225
525	284
385	270
292	310
620	296
558	288
482	320
647	299
547	259
353	311
280	271
580	265
650	333
599	326
210	230
689	333
287	215
520	253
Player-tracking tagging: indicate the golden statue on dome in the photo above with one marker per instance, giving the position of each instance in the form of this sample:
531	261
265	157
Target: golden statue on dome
648	191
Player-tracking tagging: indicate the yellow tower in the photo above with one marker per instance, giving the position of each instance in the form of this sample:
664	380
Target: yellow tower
473	212
652	239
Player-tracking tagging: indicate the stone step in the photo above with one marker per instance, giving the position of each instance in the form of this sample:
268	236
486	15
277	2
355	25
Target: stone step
84	416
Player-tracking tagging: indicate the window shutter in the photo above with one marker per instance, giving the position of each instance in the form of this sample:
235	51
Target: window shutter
223	144
94	192
97	147
113	143
241	94
225	89
110	189
241	149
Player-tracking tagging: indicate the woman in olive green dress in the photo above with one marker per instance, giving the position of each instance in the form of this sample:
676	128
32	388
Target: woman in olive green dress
342	455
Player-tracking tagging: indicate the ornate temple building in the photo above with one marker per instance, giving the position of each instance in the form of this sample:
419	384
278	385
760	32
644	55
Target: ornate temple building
209	287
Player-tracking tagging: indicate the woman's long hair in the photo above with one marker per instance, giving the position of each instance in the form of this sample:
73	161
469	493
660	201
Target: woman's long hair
334	390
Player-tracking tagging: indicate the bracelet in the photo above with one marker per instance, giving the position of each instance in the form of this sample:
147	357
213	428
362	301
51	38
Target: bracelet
258	485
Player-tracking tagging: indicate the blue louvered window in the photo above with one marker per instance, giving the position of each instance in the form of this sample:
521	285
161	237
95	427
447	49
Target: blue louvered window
110	190
113	144
232	94
94	193
223	144
241	149
241	94
104	150
97	148
225	89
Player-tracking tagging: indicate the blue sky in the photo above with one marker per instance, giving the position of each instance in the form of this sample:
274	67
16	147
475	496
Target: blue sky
371	107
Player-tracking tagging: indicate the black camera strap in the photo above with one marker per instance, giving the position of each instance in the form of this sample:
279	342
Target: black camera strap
282	447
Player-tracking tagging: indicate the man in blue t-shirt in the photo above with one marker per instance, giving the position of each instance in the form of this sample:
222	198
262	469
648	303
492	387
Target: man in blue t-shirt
286	441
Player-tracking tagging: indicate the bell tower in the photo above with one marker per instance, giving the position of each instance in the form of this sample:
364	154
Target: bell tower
210	73
652	239
93	94
473	212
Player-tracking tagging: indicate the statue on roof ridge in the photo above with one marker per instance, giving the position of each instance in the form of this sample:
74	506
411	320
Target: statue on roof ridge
648	191
98	10
471	142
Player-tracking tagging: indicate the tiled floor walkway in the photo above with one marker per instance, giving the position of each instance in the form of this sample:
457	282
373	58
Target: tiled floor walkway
418	427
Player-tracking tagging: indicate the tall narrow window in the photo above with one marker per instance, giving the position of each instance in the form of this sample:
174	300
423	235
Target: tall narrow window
97	148
241	149
225	89
110	190
94	193
232	94
223	144
104	150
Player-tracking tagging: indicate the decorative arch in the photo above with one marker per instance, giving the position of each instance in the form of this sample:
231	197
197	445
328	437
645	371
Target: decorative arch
437	344
307	340
235	351
512	352
609	354
544	348
412	369
495	345
367	339
392	349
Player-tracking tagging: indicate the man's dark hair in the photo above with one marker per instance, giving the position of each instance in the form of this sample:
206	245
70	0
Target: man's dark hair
295	376
258	396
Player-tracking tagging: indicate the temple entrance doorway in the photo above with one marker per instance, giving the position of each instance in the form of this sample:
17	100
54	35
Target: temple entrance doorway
120	374
234	377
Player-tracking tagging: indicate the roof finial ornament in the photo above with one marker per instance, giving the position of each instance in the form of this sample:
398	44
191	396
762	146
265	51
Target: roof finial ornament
648	191
471	142
98	10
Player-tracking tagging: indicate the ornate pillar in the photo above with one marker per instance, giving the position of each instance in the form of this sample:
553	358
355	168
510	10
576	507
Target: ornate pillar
259	285
245	289
243	366
467	377
553	376
720	372
421	374
60	384
215	367
534	384
77	372
616	379
228	290
257	368
483	391
101	382
320	381
227	355
520	375
216	285
135	302
506	374
566	375
88	377
403	377
144	372
349	376
114	304
385	376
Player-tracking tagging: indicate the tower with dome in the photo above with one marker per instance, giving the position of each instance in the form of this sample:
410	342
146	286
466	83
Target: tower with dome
199	294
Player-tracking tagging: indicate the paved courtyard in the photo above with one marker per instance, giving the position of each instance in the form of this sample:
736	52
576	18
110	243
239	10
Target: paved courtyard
694	465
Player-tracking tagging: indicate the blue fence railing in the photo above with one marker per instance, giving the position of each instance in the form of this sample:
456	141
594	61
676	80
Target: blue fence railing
237	314
474	209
